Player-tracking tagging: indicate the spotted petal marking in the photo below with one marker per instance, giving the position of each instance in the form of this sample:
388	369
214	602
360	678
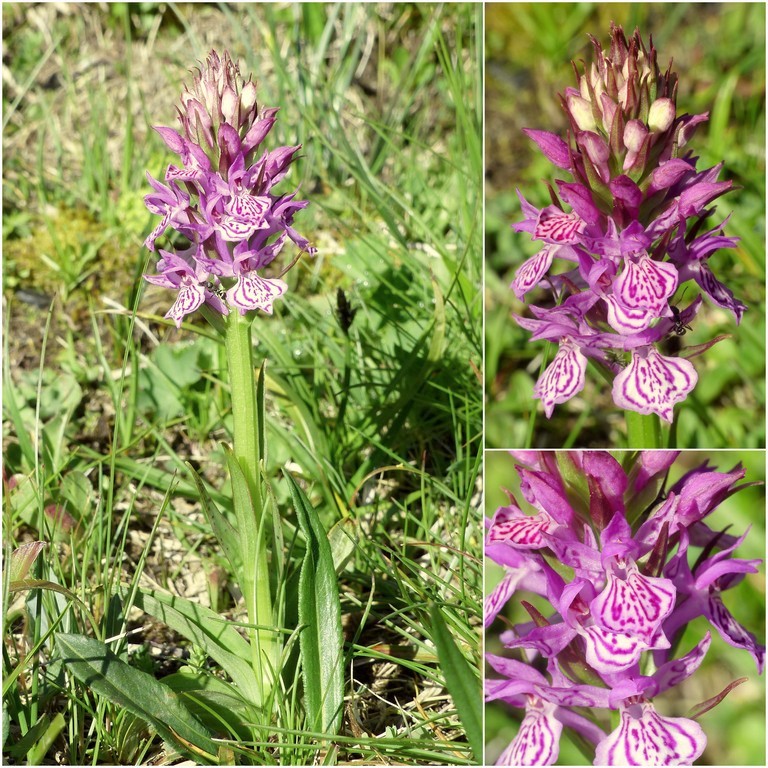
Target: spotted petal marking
653	383
532	270
244	214
538	740
627	320
608	651
514	527
558	227
634	603
189	299
248	207
646	284
562	379
254	292
646	738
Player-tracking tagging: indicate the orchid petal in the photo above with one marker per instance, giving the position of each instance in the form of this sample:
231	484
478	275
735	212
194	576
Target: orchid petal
532	270
563	378
557	227
609	652
538	740
518	529
732	632
654	383
646	738
254	292
635	603
646	284
190	298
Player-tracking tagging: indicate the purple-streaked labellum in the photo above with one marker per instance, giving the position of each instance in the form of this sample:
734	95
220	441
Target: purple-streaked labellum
538	740
191	297
563	378
532	270
627	320
557	227
645	283
652	383
248	207
646	738
254	292
633	603
609	652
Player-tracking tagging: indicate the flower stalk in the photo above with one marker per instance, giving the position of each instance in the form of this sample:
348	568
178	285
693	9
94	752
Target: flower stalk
246	450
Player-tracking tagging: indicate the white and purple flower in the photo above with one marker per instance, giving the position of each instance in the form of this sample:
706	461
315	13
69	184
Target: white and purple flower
220	199
636	206
613	568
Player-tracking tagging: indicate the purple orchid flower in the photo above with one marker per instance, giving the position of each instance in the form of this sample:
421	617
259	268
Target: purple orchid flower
635	203
221	200
607	549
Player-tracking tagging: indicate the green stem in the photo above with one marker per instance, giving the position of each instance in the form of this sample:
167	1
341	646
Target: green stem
255	568
644	431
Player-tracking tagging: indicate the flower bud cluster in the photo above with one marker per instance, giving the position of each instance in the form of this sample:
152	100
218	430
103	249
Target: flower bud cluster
635	232
220	198
608	550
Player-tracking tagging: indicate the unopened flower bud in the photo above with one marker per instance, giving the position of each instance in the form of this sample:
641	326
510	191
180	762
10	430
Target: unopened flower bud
247	98
581	112
230	106
634	135
661	115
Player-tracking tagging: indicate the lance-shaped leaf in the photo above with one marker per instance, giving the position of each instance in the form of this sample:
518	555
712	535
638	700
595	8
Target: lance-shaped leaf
94	665
321	640
461	680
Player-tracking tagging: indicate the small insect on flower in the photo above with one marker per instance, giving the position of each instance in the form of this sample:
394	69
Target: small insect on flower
679	327
344	310
216	290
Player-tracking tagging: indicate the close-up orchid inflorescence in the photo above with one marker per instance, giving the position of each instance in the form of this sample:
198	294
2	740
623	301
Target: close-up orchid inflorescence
635	226
623	563
221	199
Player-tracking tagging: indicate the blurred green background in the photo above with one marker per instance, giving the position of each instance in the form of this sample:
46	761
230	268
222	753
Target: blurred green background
719	54
735	728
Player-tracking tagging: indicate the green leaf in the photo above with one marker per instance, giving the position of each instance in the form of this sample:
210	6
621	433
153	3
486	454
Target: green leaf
245	514
215	702
461	680
216	636
22	559
94	665
222	529
321	640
